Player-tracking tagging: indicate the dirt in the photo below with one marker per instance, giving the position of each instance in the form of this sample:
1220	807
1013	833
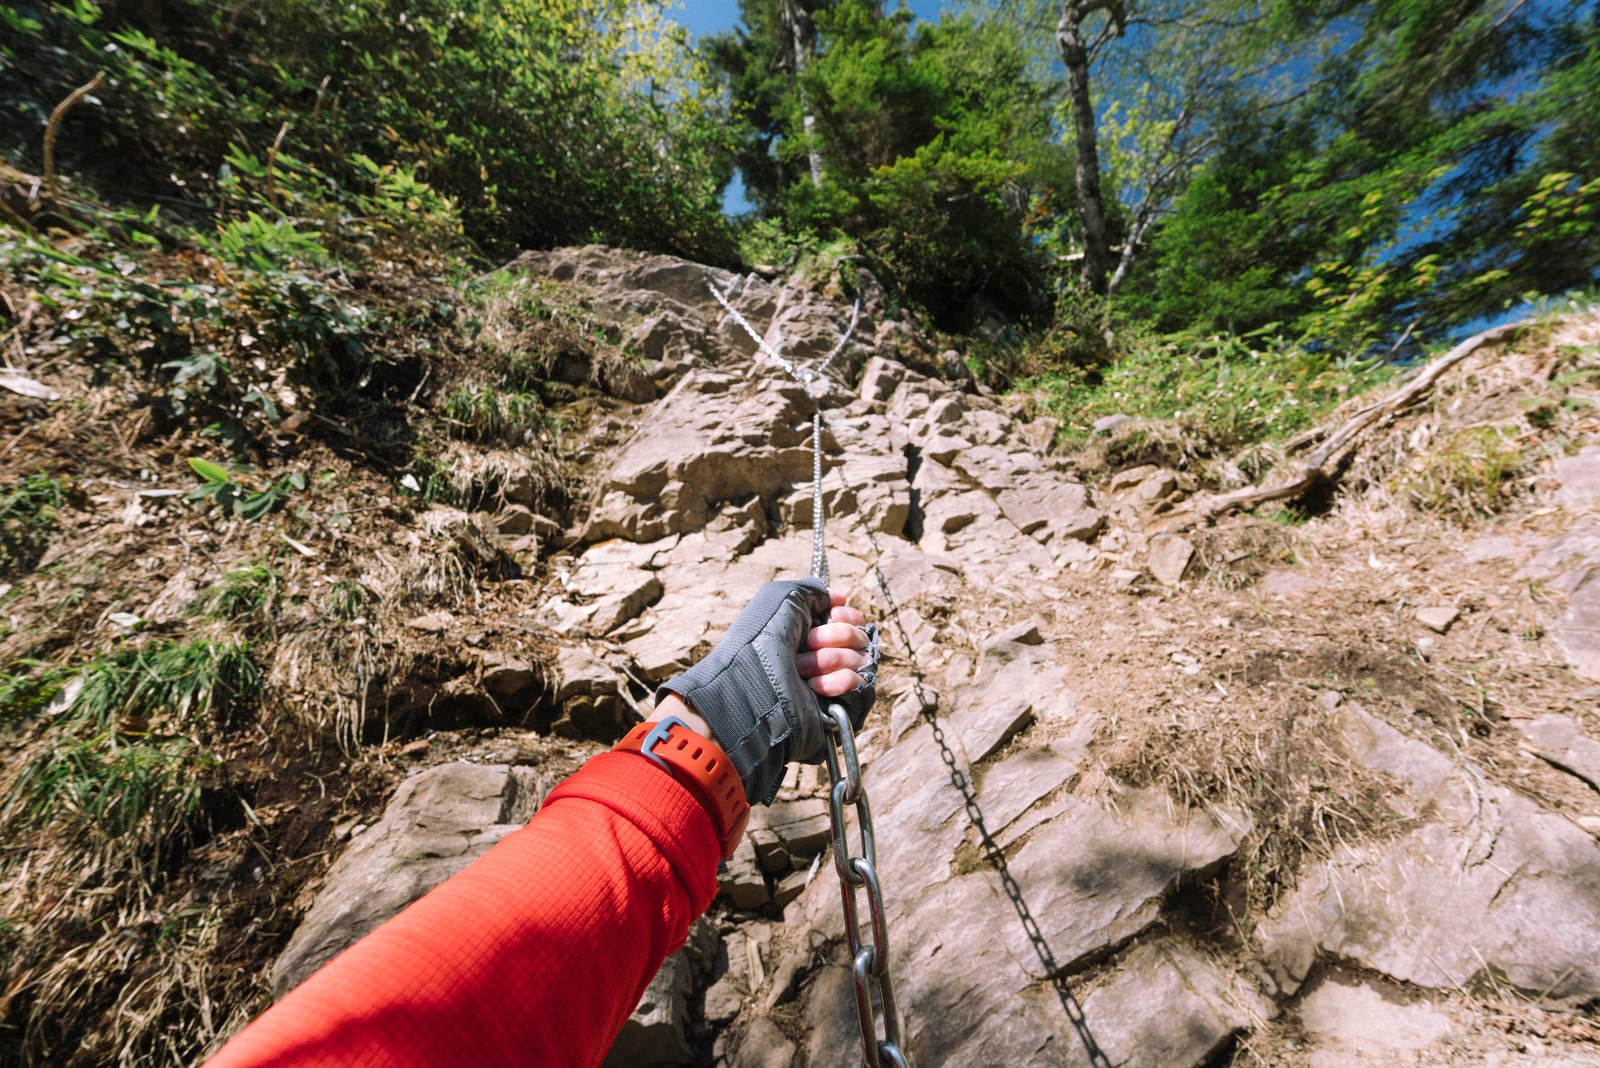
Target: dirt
1213	690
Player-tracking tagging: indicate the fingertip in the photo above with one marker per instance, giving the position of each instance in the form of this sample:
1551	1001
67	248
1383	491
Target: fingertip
835	683
846	614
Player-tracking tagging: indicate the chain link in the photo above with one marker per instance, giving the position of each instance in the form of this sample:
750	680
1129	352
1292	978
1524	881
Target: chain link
869	959
870	956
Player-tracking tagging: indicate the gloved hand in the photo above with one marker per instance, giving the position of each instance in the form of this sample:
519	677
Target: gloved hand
750	692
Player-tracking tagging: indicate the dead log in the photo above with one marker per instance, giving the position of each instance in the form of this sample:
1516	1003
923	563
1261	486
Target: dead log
1323	463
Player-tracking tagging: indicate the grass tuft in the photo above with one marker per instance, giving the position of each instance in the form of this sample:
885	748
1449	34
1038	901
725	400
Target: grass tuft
1468	475
246	594
27	516
117	772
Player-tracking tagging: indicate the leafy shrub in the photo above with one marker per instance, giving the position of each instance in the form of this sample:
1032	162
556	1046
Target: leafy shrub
229	491
1228	392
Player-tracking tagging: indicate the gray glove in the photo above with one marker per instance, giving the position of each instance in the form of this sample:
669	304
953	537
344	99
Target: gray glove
751	694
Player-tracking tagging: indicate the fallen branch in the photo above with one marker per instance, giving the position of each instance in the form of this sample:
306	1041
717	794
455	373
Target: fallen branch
272	158
50	127
1321	465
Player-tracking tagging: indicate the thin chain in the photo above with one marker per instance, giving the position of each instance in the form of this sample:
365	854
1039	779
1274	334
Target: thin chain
819	549
874	988
991	849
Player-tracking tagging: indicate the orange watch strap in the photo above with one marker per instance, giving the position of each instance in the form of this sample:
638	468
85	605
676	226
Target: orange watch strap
702	766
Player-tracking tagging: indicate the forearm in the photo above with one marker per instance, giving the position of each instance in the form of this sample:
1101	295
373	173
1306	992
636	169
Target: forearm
535	954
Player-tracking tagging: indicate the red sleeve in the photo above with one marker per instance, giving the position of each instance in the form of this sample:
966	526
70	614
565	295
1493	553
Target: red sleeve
534	954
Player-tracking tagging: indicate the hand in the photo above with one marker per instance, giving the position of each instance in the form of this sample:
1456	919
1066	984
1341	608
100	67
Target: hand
832	669
752	693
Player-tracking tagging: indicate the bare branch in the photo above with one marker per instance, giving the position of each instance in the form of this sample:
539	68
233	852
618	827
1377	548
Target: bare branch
50	128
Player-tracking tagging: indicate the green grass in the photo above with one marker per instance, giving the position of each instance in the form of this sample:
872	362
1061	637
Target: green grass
487	414
347	600
27	516
246	594
1467	475
1226	393
118	770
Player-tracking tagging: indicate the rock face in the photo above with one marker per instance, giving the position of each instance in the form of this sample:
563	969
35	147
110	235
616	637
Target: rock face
439	821
1485	852
1033	856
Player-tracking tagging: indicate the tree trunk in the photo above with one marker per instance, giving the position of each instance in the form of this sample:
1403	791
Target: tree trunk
1086	173
803	38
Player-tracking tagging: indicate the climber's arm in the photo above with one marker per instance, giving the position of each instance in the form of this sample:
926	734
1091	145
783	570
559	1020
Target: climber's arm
538	951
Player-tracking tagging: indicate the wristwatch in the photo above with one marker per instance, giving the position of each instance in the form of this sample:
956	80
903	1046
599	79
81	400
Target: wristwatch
701	766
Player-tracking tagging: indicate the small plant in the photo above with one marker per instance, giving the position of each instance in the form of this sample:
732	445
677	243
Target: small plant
1466	476
266	246
487	414
241	500
27	515
245	593
347	600
122	762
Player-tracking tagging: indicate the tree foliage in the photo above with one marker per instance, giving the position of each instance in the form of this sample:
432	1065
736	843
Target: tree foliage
937	153
547	121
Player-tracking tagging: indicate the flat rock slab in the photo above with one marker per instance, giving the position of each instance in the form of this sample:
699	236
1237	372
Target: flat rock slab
1016	684
1558	740
1094	877
1578	629
1490	884
438	822
1018	782
1165	1006
1579	477
1352	1023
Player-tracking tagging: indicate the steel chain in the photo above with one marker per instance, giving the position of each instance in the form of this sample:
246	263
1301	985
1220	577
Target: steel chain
870	957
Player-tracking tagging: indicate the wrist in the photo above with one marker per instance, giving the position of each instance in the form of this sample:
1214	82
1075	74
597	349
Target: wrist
673	705
693	758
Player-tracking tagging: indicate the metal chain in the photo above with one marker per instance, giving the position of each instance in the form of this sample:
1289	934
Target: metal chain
874	988
870	956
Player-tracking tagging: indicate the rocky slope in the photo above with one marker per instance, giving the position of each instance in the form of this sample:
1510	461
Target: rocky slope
1314	794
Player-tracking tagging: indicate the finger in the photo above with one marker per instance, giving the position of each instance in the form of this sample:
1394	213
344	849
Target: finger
823	661
845	614
835	683
837	635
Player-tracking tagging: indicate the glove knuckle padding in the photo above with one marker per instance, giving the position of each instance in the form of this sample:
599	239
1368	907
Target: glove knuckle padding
750	691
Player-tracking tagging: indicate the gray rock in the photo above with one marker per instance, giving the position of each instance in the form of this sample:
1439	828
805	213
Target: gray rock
1558	740
1095	878
1579	477
1170	555
1354	1023
1438	618
506	676
741	879
1166	1006
1578	628
514	519
1108	423
1488	884
833	1034
1012	680
1015	784
437	823
801	825
658	1030
881	378
1040	434
589	691
763	1046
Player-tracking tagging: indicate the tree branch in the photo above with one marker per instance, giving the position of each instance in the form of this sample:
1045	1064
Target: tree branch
50	128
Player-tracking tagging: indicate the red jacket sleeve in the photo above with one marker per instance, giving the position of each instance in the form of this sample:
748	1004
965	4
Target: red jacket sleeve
534	954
